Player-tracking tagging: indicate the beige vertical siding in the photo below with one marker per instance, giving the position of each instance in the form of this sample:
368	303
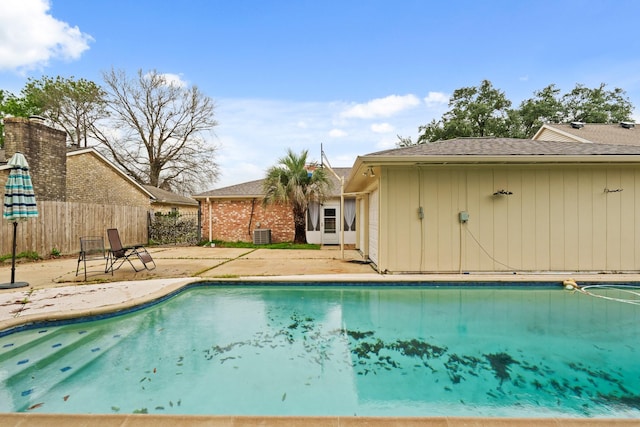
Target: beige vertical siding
373	225
549	135
559	218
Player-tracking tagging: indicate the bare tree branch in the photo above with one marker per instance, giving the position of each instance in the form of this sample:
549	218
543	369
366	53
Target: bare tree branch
159	131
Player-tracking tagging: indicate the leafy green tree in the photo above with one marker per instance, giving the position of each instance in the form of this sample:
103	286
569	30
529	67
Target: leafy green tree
157	130
545	107
596	105
474	111
404	141
292	181
11	105
485	111
74	105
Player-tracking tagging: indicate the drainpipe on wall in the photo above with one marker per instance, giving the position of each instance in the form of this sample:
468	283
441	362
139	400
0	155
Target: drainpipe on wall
253	207
210	221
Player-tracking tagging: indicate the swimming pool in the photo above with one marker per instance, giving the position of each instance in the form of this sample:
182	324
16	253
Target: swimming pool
338	350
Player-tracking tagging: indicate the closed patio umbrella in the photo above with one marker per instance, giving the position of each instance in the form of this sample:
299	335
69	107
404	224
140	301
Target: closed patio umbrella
19	205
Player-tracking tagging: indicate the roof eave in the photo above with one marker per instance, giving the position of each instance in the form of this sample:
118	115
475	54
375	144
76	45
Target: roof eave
229	196
513	158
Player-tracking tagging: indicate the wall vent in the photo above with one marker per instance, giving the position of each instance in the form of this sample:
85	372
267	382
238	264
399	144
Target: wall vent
261	236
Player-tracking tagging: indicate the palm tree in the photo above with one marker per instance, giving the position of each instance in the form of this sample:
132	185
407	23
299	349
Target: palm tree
295	182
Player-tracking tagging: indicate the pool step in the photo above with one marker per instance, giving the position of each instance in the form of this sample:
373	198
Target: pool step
31	370
49	357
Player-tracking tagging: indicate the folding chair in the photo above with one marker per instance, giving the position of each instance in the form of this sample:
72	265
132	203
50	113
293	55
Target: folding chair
91	248
118	253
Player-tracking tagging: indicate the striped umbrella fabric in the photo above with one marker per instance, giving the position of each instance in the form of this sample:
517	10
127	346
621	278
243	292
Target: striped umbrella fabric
19	199
19	205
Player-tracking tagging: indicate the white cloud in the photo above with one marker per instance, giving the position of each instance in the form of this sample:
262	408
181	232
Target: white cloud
174	79
382	128
30	37
436	99
254	133
386	144
381	107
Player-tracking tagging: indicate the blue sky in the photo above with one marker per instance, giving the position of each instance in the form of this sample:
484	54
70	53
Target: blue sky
350	74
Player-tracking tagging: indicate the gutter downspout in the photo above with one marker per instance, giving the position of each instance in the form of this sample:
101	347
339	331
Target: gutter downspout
253	207
210	221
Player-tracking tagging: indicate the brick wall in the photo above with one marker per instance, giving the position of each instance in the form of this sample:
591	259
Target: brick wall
90	180
45	150
232	220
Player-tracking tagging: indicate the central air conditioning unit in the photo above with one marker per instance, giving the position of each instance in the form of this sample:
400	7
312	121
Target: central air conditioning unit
261	236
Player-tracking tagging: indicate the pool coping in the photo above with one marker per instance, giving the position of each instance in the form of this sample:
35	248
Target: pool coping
162	291
147	420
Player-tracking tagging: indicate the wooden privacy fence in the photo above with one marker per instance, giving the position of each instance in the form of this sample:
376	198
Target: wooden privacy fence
60	225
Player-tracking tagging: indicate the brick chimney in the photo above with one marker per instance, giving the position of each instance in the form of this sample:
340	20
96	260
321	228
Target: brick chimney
45	149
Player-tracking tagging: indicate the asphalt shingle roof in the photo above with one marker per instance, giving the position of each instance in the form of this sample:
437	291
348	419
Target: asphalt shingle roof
507	147
601	133
254	188
164	196
245	189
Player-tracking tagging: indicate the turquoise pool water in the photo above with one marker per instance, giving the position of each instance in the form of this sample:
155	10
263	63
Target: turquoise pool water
338	350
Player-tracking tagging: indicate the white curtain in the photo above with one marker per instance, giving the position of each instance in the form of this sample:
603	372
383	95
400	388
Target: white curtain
314	215
350	214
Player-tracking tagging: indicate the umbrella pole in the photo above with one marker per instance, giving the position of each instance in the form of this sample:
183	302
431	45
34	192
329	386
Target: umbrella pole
13	254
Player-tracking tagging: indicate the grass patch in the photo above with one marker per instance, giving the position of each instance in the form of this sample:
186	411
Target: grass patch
249	245
26	255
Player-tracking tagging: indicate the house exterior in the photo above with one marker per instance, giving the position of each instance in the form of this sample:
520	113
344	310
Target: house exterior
499	204
92	178
79	192
326	223
234	213
624	133
164	201
77	175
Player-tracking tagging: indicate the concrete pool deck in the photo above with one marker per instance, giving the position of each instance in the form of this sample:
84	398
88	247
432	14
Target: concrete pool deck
55	292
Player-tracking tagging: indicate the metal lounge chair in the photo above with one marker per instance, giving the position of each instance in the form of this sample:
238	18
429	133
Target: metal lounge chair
91	248
119	254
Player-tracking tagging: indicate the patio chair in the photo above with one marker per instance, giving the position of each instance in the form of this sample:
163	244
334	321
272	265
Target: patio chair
119	254
91	248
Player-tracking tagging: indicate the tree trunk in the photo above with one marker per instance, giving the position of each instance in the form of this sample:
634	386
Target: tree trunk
300	226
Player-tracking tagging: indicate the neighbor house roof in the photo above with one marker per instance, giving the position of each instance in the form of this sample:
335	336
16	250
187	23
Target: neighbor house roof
254	189
167	197
621	134
250	189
